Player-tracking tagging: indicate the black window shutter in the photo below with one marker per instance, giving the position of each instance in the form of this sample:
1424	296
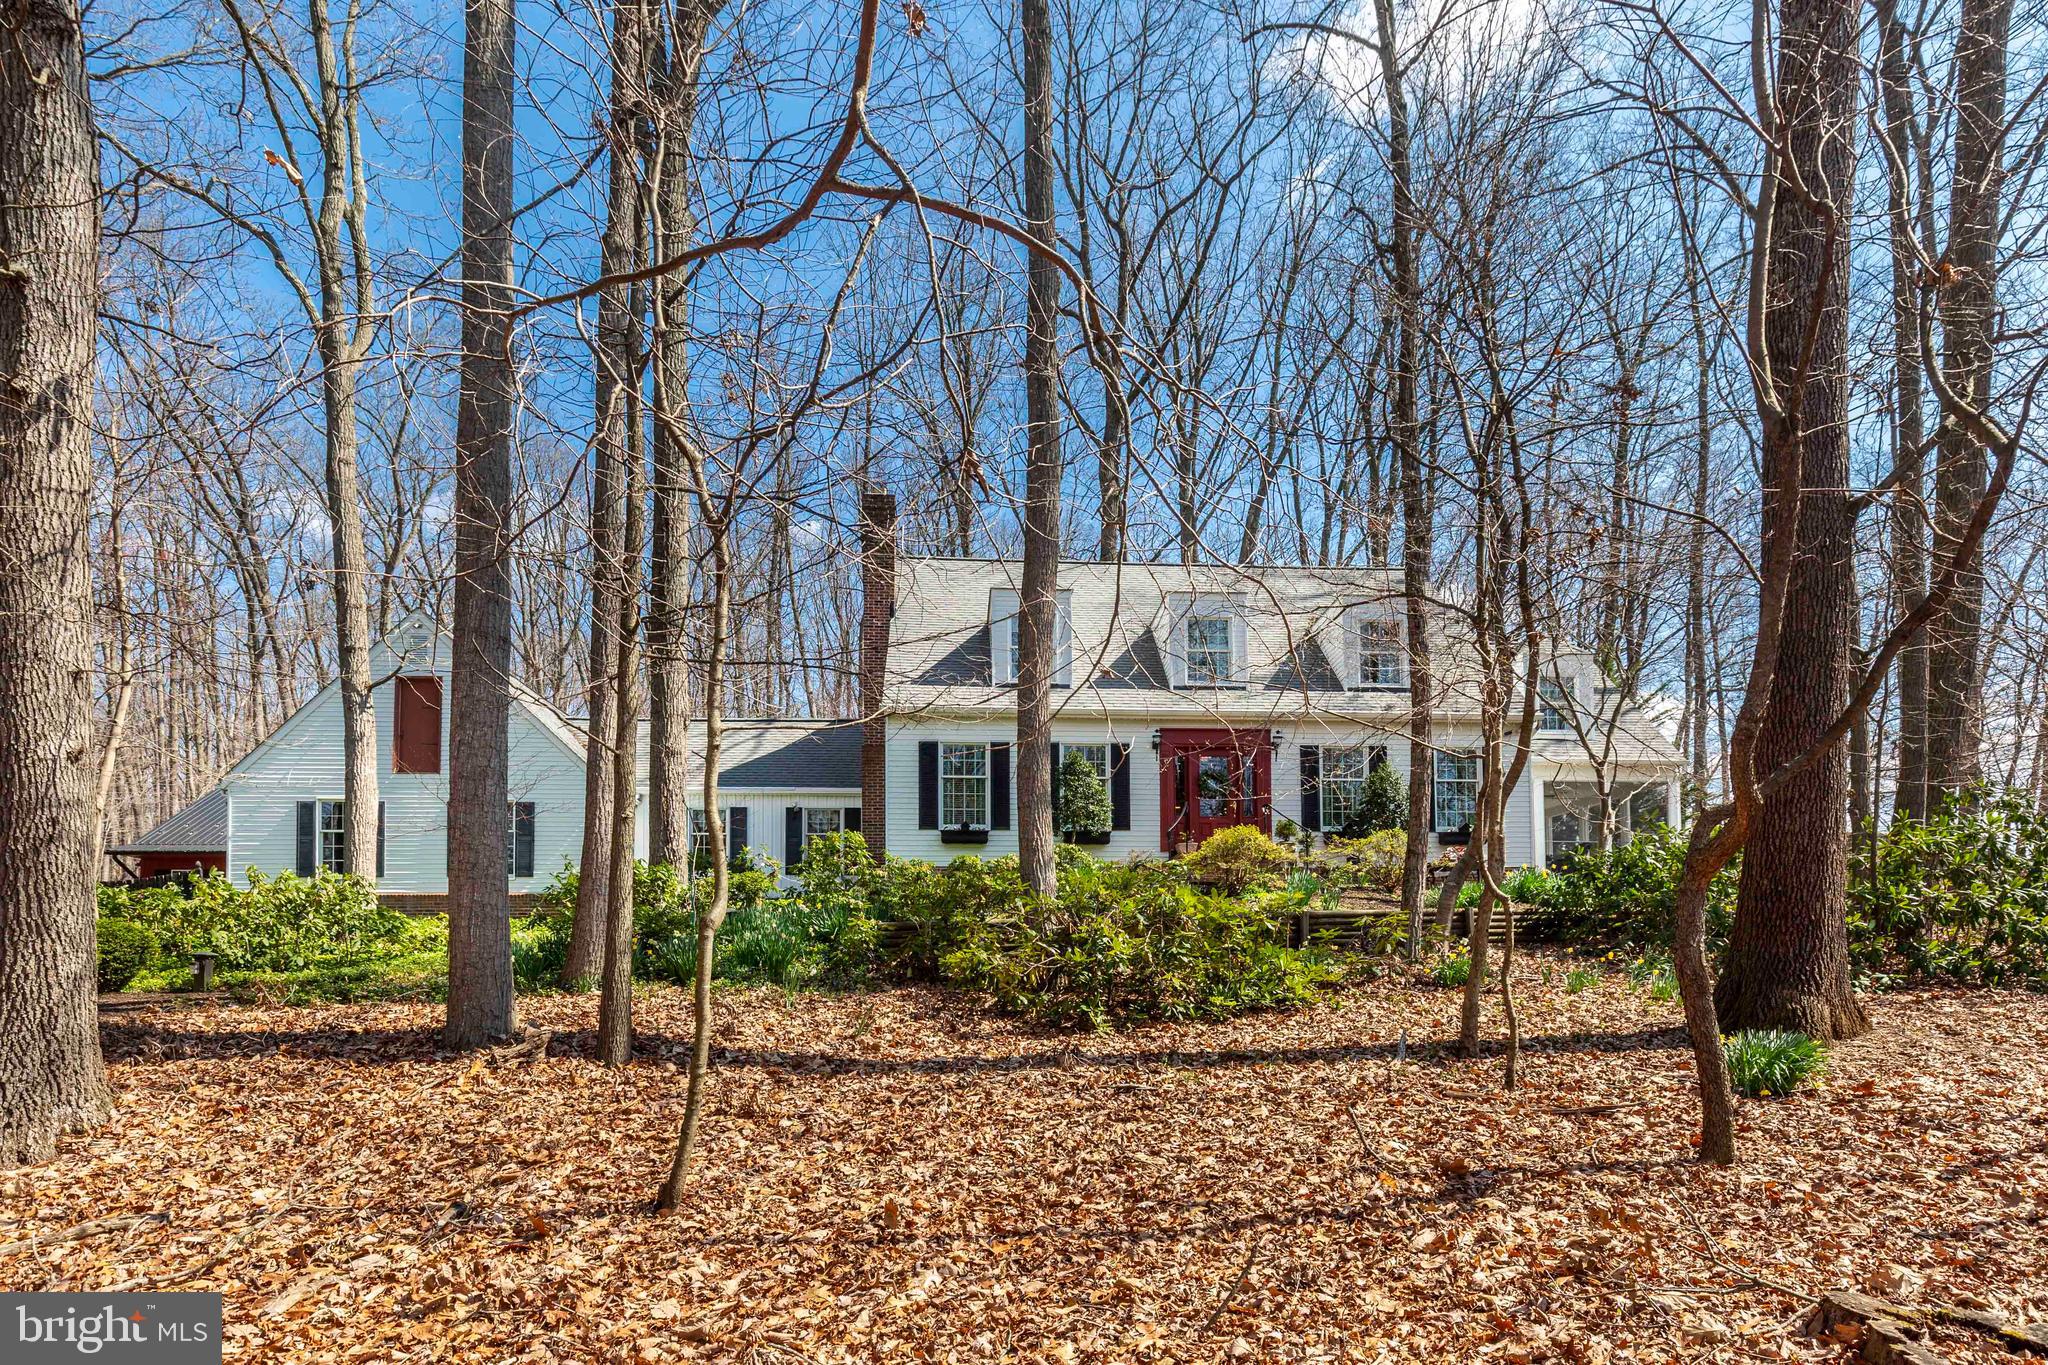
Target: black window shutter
1119	786
522	839
380	838
928	784
852	817
999	786
308	825
792	836
1311	787
736	837
1055	782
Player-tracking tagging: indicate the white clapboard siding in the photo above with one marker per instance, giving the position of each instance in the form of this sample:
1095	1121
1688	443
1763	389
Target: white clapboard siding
302	761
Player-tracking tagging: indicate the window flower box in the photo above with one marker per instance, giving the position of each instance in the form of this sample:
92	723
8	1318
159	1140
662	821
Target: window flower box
963	834
1096	837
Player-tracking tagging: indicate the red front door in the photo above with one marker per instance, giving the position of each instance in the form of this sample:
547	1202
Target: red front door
1211	780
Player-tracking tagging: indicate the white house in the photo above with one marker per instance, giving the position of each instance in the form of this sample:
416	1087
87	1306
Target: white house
280	808
1208	696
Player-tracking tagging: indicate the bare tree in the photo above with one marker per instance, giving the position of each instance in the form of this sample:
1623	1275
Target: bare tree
1038	592
50	1069
1968	301
480	1001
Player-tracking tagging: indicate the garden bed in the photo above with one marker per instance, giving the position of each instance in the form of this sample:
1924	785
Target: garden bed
903	1175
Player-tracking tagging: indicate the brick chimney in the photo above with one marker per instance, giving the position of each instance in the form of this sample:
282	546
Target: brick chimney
877	605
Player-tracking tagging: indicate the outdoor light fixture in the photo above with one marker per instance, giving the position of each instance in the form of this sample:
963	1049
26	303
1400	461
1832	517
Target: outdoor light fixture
1155	741
202	970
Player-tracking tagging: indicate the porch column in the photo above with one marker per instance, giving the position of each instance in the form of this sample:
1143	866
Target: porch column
1539	823
1674	810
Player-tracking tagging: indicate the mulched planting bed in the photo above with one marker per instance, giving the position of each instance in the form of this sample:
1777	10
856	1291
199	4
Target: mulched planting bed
901	1177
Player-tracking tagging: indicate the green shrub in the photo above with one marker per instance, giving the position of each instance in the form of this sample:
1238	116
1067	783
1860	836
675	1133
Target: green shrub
1767	1062
277	924
1237	859
1629	894
1451	971
1580	979
665	907
1962	895
1373	862
1384	805
1126	942
1083	804
125	948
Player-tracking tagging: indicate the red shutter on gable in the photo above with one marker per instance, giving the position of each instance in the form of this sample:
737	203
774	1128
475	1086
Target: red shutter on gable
416	726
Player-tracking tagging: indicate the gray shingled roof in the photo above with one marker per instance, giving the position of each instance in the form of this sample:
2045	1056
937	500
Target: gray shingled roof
1295	631
201	827
778	755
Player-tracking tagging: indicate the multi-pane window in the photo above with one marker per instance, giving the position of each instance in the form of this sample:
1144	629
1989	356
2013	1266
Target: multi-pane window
1382	662
1208	650
1344	774
1009	629
963	785
1457	792
1096	754
1553	705
1007	647
334	836
822	820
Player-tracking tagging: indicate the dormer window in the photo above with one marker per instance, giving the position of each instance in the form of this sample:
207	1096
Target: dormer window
1009	646
1553	705
1005	638
1382	657
1208	651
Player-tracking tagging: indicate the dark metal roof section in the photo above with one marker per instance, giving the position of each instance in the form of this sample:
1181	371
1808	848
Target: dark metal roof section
787	755
201	827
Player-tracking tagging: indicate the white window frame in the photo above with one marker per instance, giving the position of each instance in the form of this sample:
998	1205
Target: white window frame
1090	751
1375	654
1342	793
1209	677
954	803
330	823
1006	638
833	823
700	830
1555	703
1456	782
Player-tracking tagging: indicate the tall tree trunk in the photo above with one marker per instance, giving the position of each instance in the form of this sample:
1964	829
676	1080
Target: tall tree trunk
1040	586
1697	686
1788	962
480	1004
674	225
613	365
1405	427
1968	305
1109	475
615	997
51	1078
351	609
711	915
1908	559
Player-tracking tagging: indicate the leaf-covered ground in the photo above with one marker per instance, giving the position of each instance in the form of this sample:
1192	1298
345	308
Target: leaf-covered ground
901	1177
